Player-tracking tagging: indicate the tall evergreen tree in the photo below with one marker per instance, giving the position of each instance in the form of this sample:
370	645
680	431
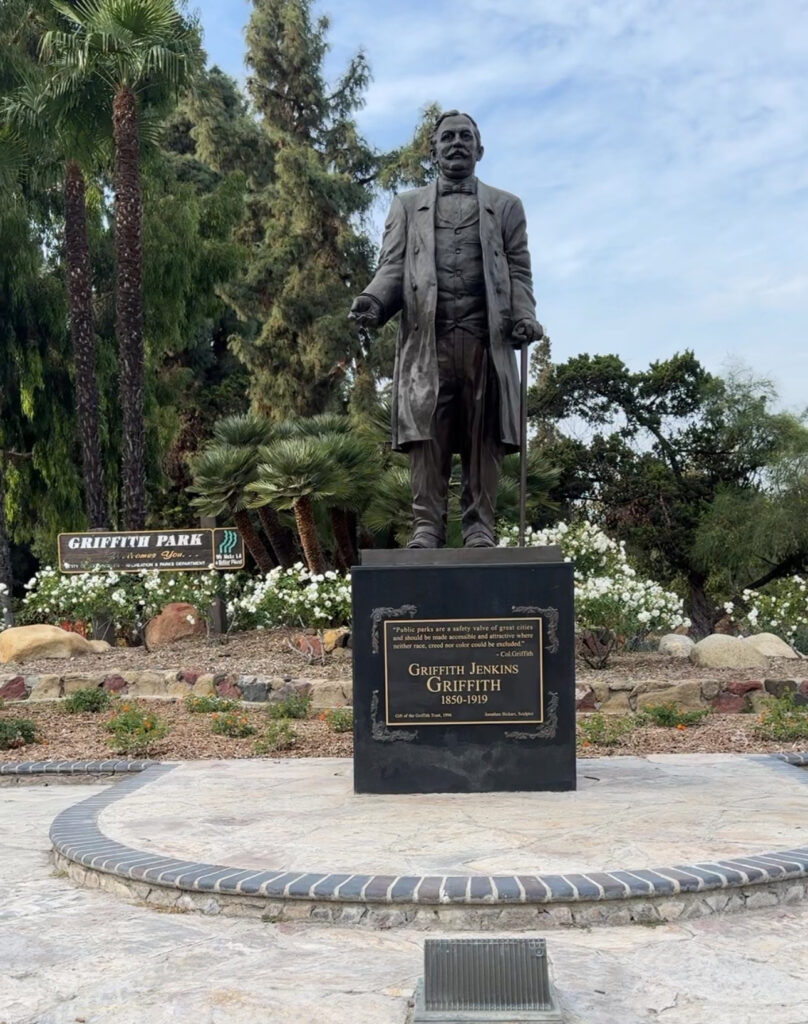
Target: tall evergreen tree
306	254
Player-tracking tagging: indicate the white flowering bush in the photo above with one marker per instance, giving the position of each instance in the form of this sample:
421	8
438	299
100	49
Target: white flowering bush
610	597
292	597
782	609
3	595
129	599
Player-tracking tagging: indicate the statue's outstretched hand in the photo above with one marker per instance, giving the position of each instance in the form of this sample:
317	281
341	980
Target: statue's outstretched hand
526	330
366	311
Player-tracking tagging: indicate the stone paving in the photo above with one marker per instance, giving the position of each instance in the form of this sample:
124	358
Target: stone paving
628	812
68	955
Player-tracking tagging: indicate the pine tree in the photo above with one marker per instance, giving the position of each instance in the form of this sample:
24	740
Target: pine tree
307	257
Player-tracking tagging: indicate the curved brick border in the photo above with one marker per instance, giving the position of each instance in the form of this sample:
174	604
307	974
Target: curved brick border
384	901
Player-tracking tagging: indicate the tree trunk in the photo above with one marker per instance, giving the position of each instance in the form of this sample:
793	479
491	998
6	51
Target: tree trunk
309	540
701	610
279	537
346	552
129	307
82	335
254	543
5	555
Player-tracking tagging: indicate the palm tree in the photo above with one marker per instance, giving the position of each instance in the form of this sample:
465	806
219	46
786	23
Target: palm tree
76	123
296	472
131	45
249	431
221	474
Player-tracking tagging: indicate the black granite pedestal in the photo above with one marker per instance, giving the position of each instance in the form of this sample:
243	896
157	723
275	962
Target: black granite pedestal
464	671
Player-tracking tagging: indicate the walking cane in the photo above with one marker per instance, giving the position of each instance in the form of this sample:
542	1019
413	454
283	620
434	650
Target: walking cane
523	445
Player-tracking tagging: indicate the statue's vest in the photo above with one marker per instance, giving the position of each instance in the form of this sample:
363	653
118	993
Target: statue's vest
461	280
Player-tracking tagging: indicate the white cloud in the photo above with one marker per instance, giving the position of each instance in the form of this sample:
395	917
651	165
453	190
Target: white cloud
659	147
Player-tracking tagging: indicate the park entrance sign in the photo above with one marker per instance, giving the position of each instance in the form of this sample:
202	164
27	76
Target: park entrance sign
146	550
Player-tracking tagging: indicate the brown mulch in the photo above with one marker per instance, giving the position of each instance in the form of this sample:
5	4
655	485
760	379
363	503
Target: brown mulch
271	653
662	668
84	736
257	652
66	737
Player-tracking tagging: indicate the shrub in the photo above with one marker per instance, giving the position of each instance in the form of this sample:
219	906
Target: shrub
782	609
205	705
605	730
130	598
669	714
297	705
278	736
90	698
782	719
613	604
134	730
232	723
338	719
16	732
293	597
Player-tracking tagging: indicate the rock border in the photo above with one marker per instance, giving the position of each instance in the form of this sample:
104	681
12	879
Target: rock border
179	683
623	697
726	697
475	902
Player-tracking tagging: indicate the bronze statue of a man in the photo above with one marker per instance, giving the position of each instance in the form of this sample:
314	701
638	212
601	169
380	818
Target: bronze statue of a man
455	263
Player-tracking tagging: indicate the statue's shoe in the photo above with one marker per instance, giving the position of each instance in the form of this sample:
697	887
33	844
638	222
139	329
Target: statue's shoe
422	539
479	540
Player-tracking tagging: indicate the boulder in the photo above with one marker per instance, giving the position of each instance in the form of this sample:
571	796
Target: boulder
15	689
333	638
227	688
616	703
740	687
686	696
779	687
253	689
721	651
115	684
204	686
676	646
25	643
75	681
329	693
175	621
46	687
730	703
585	699
771	645
146	684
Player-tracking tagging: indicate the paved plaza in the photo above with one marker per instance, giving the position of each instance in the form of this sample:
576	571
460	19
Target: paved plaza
71	955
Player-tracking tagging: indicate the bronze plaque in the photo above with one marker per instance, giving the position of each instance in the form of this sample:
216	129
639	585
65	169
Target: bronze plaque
168	550
463	671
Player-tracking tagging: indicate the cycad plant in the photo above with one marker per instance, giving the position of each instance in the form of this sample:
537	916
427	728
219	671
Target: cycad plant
355	460
249	431
296	472
221	474
541	479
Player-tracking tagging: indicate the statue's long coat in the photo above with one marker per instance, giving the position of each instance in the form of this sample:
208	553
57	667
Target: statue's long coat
407	281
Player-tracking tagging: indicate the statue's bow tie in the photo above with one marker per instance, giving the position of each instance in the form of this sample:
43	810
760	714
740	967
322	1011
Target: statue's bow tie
462	186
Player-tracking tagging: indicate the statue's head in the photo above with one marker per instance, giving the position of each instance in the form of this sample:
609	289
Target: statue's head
456	145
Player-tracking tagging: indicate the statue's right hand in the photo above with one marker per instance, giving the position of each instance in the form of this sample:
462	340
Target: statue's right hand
366	311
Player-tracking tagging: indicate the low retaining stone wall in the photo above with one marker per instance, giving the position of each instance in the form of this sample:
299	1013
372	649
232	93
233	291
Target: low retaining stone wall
726	696
621	697
180	683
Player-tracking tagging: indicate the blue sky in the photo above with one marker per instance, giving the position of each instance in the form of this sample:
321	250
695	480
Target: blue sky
660	148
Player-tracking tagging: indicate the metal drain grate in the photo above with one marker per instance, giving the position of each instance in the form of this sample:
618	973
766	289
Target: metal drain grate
485	980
